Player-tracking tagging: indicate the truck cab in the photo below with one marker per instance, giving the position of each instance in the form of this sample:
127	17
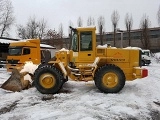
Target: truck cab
22	51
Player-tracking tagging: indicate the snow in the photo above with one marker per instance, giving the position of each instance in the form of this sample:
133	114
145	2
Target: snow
137	48
102	46
83	101
47	46
41	45
105	46
29	67
63	49
6	41
91	26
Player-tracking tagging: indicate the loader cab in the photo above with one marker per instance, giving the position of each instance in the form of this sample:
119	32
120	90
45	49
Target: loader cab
83	44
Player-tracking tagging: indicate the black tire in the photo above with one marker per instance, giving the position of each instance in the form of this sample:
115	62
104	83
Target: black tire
46	62
48	79
41	65
65	79
142	63
109	79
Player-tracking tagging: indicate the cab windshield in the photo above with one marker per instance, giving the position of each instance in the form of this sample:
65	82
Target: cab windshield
74	46
15	51
146	53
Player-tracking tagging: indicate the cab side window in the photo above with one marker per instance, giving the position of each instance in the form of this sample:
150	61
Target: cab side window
26	51
86	41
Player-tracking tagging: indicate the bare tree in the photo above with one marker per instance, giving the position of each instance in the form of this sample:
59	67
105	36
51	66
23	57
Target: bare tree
90	21
51	38
22	32
115	19
30	31
6	17
158	15
54	38
61	34
42	25
33	29
144	26
101	23
129	23
53	34
80	22
1	11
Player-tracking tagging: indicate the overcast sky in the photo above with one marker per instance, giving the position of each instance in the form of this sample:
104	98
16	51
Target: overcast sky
63	11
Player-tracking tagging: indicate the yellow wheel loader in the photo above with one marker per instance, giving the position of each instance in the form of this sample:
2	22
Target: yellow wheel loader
107	66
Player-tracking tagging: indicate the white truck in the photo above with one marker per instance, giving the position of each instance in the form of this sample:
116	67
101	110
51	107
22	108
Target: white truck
146	57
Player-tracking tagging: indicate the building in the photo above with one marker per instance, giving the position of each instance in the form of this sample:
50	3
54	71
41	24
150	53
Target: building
4	44
136	36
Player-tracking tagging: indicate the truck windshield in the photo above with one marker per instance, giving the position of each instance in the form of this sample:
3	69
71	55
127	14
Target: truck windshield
146	53
15	51
74	46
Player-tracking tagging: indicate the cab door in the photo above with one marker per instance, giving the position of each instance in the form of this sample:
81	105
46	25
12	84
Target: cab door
26	54
86	53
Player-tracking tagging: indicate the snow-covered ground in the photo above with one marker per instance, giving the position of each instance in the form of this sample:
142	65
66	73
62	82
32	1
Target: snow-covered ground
139	100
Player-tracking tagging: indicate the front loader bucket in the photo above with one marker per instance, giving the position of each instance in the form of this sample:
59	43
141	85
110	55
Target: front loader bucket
16	82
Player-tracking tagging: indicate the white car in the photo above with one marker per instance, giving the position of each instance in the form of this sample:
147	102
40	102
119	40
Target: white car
146	57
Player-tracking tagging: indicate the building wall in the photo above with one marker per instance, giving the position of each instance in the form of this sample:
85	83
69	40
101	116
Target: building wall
154	36
136	36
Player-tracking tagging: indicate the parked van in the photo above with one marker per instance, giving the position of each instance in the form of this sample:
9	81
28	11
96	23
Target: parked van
146	57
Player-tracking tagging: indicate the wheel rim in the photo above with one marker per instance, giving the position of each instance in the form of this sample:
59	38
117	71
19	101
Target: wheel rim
110	80
47	80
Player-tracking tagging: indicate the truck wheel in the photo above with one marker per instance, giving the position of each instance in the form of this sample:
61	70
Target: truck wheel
48	79
142	63
41	65
110	79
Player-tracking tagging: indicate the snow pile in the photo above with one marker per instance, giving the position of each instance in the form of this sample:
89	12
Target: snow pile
91	26
64	49
29	67
137	48
6	41
157	55
105	46
102	46
47	46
